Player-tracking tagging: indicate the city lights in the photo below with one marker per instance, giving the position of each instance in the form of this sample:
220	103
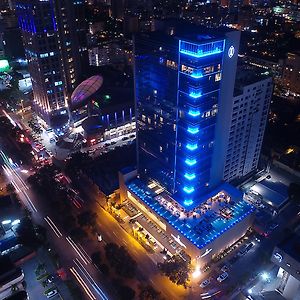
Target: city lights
197	272
265	276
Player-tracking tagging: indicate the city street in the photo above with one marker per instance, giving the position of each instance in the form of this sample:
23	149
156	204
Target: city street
72	255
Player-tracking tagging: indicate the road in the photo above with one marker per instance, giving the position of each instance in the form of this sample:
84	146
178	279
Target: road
74	257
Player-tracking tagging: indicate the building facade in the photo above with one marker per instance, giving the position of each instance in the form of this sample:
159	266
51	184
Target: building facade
249	115
179	87
53	35
291	73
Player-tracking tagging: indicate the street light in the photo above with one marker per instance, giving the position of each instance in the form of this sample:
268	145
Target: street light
250	291
197	272
5	222
265	276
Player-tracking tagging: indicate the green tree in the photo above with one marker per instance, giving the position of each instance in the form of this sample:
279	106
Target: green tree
10	188
27	234
176	269
147	292
78	233
87	218
120	260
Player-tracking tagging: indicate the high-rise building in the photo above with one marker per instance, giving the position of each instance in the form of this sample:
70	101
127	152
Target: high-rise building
184	84
53	35
291	73
117	9
249	113
181	79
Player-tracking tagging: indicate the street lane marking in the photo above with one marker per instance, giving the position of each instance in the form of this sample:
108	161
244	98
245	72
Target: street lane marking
77	250
86	255
83	284
30	202
90	279
53	227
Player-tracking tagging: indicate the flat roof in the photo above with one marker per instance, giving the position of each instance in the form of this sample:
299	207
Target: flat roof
274	192
200	225
247	75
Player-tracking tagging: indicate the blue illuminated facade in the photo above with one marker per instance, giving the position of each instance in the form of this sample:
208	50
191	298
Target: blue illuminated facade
178	85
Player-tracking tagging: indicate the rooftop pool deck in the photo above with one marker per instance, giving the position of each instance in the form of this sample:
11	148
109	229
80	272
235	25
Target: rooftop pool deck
199	225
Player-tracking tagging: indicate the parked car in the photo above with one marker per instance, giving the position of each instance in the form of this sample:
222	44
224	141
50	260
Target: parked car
205	283
222	277
52	293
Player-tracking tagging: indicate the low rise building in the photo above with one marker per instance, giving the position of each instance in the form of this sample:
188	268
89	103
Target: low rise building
286	256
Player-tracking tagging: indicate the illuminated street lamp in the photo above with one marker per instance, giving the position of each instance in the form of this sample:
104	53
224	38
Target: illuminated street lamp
196	272
265	276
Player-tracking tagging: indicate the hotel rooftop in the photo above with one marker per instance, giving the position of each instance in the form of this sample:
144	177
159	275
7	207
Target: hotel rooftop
203	222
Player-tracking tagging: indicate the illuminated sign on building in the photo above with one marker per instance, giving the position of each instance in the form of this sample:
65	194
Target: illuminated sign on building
4	65
278	256
231	51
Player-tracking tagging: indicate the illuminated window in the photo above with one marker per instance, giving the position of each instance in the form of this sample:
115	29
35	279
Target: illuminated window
160	148
218	77
171	64
187	69
208	69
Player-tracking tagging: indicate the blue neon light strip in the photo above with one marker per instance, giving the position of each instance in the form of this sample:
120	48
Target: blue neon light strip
196	75
190	162
188	202
201	54
195	95
192	147
194	113
193	130
190	176
189	189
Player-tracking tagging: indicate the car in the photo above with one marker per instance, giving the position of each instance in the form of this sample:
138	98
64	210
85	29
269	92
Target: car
222	277
205	283
52	293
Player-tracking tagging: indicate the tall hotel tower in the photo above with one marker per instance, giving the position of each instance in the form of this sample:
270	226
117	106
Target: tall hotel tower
181	82
53	35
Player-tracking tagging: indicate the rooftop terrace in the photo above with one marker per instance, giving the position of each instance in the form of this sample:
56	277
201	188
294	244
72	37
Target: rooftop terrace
203	223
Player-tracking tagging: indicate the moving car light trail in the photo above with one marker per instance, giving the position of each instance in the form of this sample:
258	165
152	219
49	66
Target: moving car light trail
82	271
